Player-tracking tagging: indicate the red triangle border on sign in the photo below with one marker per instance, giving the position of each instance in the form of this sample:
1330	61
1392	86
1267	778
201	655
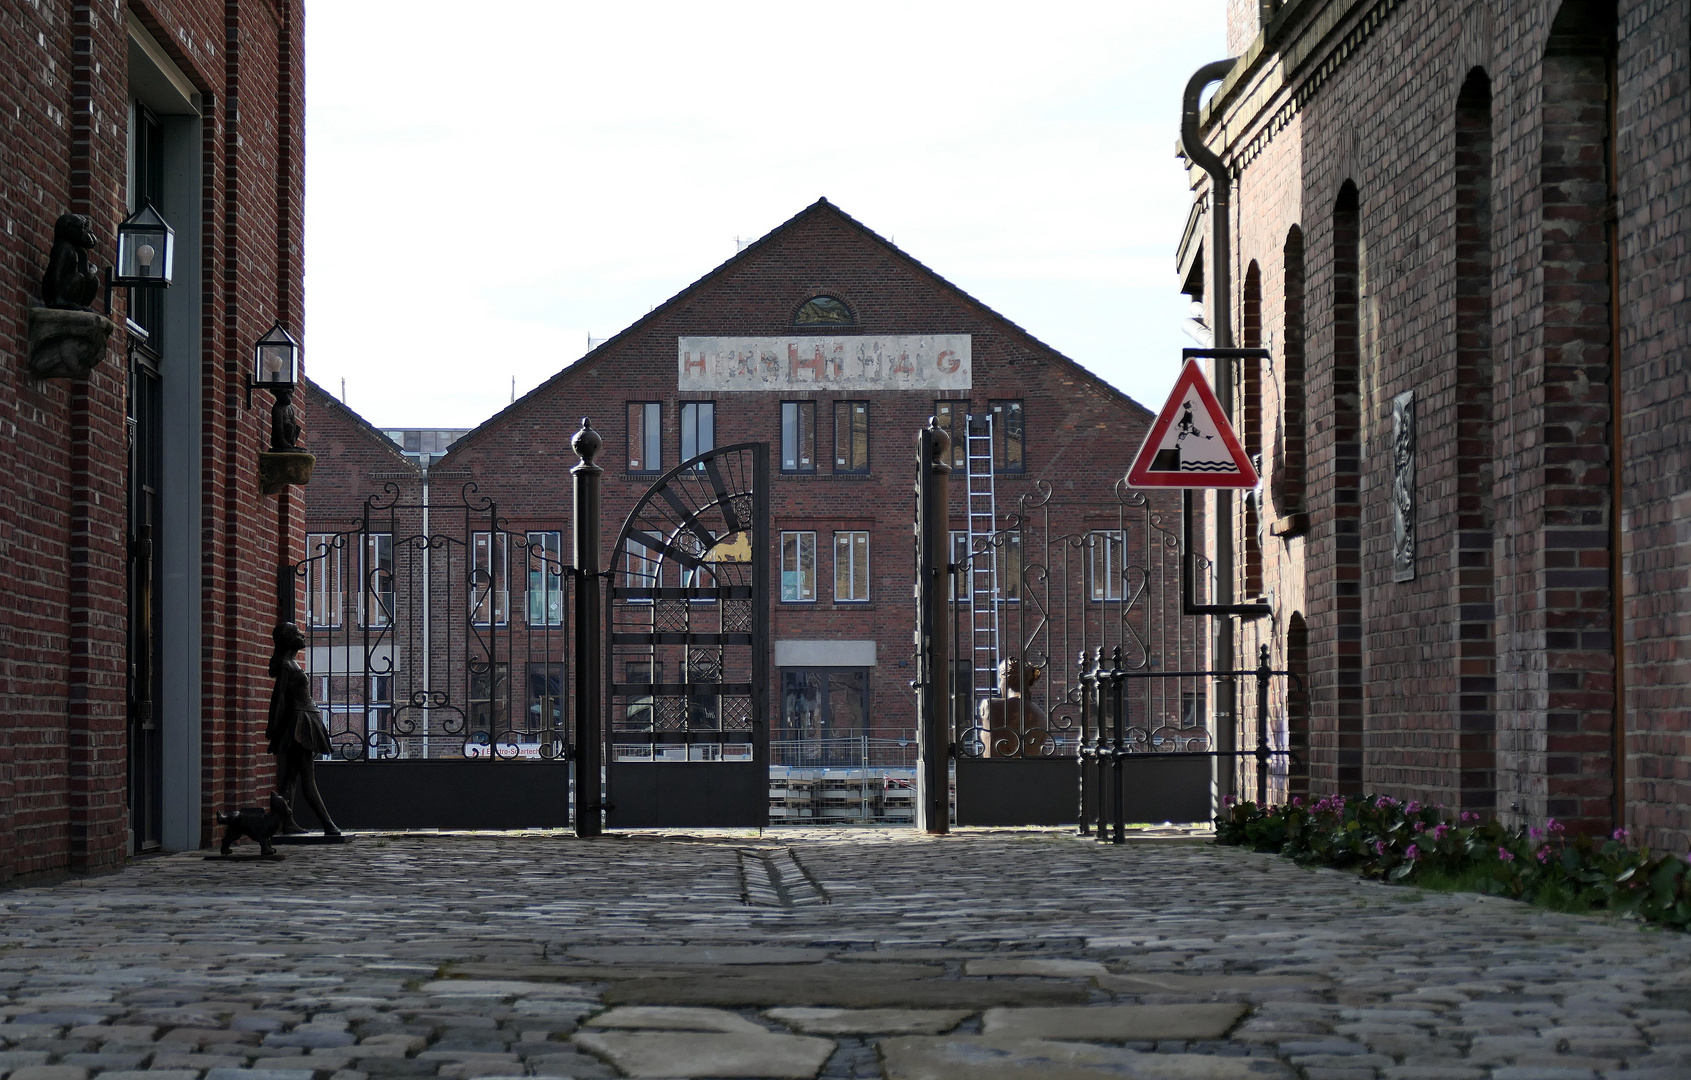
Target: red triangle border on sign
1140	474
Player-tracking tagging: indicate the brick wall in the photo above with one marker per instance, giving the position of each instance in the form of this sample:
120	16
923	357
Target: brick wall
64	470
1486	270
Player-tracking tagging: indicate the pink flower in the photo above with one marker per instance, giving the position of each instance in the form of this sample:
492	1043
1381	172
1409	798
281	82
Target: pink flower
1440	830
1620	834
1411	851
1469	817
1420	826
1544	854
1379	847
1503	854
1297	800
1413	807
1535	832
1552	825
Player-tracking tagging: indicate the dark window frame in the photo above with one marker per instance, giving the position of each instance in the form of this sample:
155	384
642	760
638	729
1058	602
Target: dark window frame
954	408
651	442
695	407
798	469
852	470
850	319
1000	437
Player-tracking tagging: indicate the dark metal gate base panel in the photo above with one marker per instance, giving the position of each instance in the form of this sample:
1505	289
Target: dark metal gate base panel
1155	790
1018	791
686	795
442	795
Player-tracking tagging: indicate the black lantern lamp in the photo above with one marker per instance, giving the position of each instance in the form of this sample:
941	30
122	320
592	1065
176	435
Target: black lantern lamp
146	250
275	367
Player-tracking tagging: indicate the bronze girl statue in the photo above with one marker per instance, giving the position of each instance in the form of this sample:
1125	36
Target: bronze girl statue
295	731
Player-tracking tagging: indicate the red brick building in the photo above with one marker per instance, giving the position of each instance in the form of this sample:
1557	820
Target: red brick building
1459	229
137	583
833	346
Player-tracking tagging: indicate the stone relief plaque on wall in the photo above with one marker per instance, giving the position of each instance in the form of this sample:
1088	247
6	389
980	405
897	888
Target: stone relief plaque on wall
809	362
1403	486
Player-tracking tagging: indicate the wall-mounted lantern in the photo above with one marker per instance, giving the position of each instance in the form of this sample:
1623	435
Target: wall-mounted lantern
275	367
146	250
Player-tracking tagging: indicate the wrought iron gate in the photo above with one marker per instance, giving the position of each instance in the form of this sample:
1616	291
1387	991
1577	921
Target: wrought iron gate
438	645
687	655
1078	692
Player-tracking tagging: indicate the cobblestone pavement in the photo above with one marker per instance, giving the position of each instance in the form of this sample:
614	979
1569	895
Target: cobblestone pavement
815	953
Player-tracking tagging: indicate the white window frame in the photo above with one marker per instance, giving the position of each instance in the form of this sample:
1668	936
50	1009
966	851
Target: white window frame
490	557
856	585
804	545
545	553
1110	546
375	570
642	569
325	580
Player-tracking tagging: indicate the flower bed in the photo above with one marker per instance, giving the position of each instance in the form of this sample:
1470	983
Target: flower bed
1407	842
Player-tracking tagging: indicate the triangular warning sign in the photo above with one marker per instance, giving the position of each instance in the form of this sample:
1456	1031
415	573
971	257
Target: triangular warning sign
1192	445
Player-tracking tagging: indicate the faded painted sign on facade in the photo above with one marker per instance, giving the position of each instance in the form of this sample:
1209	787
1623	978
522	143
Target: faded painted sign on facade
894	362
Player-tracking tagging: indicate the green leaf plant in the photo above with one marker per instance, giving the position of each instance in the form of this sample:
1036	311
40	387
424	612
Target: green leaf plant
1409	843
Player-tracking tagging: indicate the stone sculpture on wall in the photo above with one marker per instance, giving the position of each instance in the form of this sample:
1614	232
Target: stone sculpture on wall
1403	486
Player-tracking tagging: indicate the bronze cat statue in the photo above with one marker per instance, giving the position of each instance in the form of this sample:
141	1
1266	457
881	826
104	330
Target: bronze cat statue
70	282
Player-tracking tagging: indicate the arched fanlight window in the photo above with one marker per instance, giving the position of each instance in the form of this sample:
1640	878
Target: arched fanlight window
823	311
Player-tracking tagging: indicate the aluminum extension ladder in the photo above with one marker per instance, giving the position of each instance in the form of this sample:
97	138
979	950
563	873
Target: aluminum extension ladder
983	564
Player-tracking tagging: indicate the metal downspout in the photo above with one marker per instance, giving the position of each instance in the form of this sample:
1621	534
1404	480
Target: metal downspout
1221	320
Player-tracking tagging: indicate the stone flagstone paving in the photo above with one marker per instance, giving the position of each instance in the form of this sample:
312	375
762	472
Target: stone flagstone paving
997	955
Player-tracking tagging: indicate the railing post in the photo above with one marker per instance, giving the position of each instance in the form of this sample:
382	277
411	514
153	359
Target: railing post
1118	752
933	652
1086	746
589	634
1264	673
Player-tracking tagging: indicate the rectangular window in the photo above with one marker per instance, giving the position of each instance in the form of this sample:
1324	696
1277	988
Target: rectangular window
824	714
960	560
1010	568
645	436
546	699
490	578
1007	437
851	565
798	436
545	578
798	567
378	713
951	416
490	698
325	580
698	428
851	436
375	571
643	569
1106	556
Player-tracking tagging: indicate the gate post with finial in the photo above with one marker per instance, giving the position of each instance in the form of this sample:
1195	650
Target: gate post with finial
589	633
933	653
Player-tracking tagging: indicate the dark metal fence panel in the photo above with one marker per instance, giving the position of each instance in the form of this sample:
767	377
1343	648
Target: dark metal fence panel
435	632
1076	582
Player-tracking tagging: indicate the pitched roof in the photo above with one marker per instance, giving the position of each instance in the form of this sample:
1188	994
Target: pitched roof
325	399
751	251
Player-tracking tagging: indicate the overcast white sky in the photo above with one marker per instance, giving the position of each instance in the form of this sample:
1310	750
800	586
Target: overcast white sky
489	184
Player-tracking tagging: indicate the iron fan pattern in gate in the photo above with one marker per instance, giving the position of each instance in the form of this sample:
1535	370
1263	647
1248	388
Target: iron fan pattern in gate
687	616
434	631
